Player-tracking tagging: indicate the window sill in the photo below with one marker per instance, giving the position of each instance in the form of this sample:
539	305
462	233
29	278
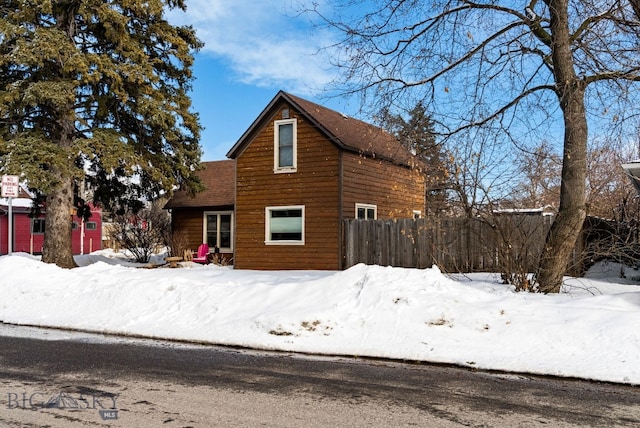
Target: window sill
284	170
283	242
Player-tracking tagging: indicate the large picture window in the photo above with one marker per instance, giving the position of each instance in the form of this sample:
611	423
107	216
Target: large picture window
284	225
218	228
285	146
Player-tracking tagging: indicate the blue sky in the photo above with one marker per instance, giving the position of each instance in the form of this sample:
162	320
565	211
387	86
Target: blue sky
252	50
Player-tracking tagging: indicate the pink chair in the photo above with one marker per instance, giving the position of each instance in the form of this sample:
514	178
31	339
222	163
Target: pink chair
202	255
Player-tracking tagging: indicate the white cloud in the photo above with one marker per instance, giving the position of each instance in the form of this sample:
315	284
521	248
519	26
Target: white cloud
263	44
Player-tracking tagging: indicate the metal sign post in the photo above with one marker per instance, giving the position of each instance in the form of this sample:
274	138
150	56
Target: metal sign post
10	188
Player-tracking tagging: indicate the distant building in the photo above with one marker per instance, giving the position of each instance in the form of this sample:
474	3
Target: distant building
28	229
546	211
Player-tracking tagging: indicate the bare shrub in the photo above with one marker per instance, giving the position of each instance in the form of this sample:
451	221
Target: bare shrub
142	233
177	243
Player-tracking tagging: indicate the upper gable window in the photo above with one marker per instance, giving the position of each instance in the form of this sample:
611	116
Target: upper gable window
285	146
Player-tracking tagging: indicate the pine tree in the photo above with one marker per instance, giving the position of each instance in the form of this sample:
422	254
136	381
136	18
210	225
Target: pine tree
416	134
95	91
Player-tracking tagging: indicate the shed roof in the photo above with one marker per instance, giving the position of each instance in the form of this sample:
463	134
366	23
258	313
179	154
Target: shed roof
346	132
219	178
23	203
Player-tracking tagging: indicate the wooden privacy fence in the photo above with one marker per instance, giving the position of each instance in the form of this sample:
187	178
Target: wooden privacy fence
453	244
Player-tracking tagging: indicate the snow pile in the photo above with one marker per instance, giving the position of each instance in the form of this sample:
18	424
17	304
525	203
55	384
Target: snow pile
591	330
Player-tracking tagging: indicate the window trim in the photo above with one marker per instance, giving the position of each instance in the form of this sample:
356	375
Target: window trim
204	229
277	169
267	225
93	227
417	214
366	207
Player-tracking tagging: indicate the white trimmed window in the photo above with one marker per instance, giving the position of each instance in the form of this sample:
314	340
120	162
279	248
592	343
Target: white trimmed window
366	212
284	225
417	214
218	230
285	146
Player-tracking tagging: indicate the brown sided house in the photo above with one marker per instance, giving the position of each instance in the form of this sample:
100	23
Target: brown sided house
300	170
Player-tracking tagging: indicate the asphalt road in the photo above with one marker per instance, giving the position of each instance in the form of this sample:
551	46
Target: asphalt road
85	382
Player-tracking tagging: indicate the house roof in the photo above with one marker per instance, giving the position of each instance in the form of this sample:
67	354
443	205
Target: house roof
346	132
18	205
23	203
219	178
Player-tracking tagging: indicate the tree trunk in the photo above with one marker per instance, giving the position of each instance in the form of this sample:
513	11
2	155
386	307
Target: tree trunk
57	235
57	246
567	226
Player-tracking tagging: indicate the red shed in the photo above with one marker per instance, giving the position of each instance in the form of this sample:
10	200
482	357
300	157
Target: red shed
28	231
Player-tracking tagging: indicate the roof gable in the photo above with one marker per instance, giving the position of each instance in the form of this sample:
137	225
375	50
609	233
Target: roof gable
219	178
346	132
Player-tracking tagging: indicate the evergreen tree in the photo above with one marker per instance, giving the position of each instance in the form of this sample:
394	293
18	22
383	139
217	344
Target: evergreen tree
95	91
416	134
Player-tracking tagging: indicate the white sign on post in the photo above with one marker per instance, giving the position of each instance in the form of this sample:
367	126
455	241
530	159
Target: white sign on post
10	186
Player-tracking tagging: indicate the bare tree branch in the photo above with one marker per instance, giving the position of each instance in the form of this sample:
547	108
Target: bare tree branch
516	73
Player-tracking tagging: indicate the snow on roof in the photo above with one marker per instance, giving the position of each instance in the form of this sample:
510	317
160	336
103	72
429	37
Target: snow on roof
16	202
546	210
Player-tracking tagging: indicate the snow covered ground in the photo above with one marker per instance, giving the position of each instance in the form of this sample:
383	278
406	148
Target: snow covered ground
591	330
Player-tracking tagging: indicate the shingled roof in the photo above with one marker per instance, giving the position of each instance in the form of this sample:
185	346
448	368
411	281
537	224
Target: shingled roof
219	178
348	133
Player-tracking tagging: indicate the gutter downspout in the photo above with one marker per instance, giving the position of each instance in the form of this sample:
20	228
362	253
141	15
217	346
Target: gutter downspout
340	209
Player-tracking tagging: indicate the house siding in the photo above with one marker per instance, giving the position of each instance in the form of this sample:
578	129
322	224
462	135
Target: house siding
23	240
190	223
315	185
396	190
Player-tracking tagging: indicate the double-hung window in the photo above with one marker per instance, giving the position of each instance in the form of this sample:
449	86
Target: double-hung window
284	225
218	230
366	212
285	146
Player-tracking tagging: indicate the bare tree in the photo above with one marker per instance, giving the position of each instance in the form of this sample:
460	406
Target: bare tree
608	187
481	173
539	182
515	66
